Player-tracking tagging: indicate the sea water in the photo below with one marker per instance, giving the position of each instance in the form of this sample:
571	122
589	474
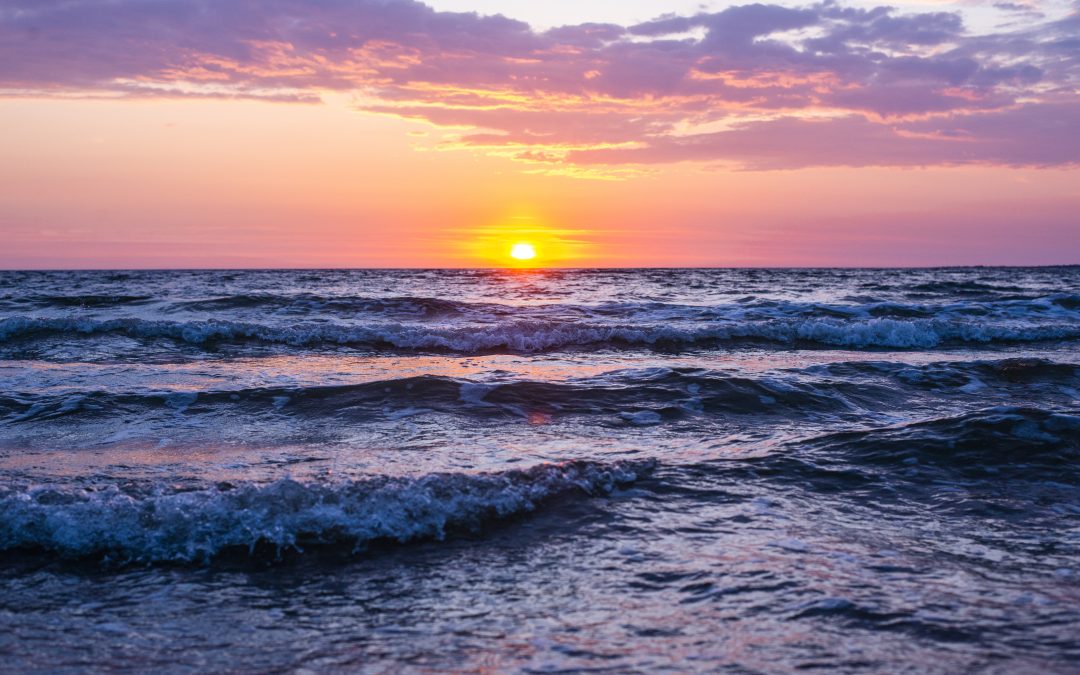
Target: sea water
624	470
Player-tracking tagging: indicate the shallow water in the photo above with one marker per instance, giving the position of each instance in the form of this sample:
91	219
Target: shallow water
627	470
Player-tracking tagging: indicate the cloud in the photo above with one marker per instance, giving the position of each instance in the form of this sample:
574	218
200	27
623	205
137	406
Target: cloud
1049	136
758	86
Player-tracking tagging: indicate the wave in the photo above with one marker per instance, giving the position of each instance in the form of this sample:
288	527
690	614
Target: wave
950	304
161	524
970	375
859	616
538	336
410	306
657	393
989	462
967	287
84	301
670	392
993	442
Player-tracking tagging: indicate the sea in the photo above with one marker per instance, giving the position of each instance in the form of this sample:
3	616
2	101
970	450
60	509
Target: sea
641	470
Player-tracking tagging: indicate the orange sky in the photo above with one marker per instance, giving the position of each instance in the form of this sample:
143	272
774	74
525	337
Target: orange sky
93	180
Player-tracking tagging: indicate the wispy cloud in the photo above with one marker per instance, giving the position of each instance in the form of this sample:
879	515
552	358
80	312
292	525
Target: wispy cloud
756	86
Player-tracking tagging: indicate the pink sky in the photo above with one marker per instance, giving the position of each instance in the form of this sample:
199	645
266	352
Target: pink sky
387	133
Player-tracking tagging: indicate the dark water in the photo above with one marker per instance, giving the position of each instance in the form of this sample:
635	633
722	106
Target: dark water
690	470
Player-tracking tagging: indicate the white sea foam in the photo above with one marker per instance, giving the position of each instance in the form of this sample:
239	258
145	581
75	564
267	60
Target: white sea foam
535	336
162	524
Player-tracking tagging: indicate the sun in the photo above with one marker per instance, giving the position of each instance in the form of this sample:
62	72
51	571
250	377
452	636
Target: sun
523	251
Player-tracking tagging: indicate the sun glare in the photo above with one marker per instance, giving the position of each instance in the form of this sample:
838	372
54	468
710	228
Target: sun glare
523	251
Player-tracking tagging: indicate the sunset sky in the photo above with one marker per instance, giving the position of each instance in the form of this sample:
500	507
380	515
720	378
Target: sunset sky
394	133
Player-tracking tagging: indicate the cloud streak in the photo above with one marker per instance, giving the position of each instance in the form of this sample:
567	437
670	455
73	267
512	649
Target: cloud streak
755	86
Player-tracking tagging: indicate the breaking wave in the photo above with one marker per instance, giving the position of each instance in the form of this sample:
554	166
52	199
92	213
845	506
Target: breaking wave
161	524
538	336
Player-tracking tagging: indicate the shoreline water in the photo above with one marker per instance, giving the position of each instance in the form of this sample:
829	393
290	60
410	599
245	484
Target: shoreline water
864	470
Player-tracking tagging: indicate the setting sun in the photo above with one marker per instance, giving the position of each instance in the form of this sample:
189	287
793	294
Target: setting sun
523	251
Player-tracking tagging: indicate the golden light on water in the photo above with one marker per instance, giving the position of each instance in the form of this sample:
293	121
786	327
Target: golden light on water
523	250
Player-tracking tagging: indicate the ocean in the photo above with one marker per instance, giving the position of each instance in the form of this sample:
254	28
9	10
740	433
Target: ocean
745	470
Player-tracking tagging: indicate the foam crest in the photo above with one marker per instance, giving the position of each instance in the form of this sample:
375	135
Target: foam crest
537	336
161	524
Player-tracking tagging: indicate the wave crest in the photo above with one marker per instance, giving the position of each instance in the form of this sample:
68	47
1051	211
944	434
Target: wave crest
999	441
161	524
538	336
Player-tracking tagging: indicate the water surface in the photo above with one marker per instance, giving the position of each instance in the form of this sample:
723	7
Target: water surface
626	470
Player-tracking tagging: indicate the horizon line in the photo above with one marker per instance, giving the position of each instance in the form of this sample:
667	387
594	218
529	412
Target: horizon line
535	269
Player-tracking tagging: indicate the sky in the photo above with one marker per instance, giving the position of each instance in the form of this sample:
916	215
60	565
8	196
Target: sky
394	133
